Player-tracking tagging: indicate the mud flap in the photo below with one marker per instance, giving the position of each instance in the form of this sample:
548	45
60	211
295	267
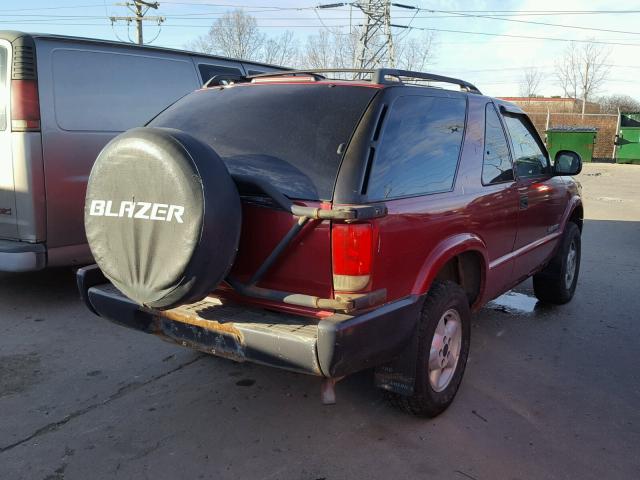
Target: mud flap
399	375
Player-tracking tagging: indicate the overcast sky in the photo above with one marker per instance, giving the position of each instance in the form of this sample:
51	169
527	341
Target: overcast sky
493	63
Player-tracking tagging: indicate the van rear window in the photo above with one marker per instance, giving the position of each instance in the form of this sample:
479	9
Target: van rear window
108	91
290	135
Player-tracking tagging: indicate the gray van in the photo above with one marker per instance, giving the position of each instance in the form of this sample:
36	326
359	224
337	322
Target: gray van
61	100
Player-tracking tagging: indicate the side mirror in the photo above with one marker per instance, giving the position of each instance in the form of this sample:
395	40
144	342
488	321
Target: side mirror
567	163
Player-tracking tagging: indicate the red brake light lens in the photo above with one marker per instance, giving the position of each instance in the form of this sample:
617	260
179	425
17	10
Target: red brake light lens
25	106
352	247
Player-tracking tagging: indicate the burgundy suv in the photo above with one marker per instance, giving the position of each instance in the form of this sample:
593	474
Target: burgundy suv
328	226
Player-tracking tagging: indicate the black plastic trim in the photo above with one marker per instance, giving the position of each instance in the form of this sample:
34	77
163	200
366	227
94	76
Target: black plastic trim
347	345
343	344
23	58
87	277
246	184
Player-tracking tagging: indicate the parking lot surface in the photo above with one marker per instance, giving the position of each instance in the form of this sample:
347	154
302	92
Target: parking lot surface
549	392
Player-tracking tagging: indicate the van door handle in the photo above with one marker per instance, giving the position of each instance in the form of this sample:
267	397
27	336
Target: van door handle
524	201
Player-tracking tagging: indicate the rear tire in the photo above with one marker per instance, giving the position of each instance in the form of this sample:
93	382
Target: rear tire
444	334
556	284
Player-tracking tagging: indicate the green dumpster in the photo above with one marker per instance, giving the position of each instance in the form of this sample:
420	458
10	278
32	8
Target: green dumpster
577	139
628	138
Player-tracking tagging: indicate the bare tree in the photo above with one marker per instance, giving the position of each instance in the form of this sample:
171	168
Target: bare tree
530	82
330	49
320	50
235	34
415	53
281	50
567	72
346	48
335	49
613	103
201	44
582	70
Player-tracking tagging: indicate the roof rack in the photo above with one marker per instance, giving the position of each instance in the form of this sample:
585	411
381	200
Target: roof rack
379	76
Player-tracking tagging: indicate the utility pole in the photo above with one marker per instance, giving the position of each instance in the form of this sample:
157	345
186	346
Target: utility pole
375	41
139	8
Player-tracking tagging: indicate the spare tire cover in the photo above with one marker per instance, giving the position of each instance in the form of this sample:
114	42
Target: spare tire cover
162	216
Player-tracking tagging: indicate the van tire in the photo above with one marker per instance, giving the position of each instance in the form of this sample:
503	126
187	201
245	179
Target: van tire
444	300
557	282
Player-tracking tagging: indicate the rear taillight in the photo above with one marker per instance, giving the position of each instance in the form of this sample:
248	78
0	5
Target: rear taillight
25	107
352	252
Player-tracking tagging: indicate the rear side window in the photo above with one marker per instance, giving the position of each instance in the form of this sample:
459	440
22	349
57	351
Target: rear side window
290	135
497	166
529	159
3	88
419	149
207	72
103	91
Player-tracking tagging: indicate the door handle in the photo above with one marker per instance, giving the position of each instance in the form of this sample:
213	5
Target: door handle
524	201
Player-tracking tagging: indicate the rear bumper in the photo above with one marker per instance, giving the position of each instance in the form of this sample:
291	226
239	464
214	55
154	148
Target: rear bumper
21	256
331	347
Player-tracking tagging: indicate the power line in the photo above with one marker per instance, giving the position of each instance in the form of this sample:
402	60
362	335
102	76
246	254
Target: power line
233	5
50	8
554	12
346	4
529	37
525	37
139	9
528	21
164	25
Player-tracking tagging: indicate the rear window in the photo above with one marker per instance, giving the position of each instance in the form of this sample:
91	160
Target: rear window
290	135
100	91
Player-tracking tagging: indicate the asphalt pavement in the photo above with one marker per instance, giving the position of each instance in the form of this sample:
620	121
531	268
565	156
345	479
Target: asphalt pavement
549	392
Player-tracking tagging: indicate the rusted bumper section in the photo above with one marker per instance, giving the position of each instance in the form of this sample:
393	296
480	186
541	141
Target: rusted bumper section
334	346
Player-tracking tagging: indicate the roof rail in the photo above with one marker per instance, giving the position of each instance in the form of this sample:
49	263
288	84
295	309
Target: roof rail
379	76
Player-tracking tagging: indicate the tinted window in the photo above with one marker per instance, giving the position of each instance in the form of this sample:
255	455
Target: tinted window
288	135
529	160
207	72
256	72
3	88
497	165
99	91
419	148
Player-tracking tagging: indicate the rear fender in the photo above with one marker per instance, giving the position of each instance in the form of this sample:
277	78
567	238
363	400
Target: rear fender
399	375
445	251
